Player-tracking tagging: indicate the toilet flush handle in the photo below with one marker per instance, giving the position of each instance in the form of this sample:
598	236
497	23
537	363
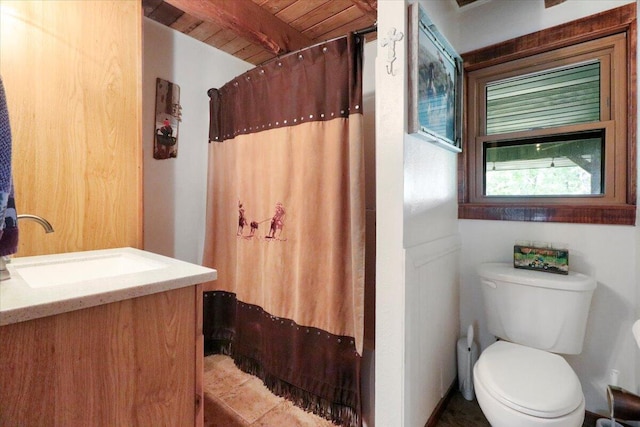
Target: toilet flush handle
489	283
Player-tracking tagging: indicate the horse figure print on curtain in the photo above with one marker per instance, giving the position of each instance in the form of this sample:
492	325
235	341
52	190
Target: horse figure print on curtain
285	226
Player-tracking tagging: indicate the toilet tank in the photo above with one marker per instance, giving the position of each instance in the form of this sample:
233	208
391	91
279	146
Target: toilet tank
536	309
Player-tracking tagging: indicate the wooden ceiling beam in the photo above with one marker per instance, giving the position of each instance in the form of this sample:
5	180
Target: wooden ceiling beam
547	3
369	7
247	20
462	3
551	3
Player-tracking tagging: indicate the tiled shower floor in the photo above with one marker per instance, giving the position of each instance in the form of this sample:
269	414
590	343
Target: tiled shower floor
236	399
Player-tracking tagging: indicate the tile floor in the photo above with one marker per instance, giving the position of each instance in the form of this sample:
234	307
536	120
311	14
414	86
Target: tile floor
462	413
236	399
233	398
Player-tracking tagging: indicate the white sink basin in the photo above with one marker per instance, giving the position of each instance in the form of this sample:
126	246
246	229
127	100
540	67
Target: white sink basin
83	268
47	285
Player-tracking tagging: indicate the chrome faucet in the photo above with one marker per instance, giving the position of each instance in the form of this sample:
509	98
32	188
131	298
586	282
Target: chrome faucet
4	260
43	222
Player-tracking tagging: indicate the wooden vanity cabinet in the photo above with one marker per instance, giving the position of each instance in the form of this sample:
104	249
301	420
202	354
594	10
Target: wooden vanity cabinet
136	362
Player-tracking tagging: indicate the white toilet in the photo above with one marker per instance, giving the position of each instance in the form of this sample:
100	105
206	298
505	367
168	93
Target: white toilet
520	381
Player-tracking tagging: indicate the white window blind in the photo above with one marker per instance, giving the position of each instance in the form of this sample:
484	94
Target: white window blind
550	98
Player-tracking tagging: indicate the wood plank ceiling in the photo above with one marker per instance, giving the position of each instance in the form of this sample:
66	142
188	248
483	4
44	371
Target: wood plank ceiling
259	30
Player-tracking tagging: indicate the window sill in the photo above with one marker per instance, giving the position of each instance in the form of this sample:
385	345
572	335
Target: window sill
612	214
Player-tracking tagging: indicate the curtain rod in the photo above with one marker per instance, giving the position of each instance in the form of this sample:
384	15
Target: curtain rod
367	30
360	32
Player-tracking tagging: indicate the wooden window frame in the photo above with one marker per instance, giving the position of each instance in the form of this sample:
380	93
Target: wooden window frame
618	208
608	51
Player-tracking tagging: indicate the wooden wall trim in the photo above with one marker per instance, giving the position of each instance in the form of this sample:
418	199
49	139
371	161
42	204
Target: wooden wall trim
616	215
591	27
442	405
632	110
620	20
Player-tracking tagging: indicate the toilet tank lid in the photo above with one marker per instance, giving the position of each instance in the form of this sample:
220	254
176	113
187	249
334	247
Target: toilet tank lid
528	380
508	273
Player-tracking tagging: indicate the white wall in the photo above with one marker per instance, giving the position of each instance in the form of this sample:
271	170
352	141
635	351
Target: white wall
432	244
175	189
487	22
390	264
417	250
609	253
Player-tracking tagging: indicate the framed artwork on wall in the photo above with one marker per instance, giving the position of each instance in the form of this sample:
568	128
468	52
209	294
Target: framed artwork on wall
167	116
435	84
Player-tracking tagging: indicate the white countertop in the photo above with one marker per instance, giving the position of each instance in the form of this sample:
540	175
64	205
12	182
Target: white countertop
19	301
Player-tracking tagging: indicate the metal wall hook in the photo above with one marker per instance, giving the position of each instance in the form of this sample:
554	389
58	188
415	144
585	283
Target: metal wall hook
390	43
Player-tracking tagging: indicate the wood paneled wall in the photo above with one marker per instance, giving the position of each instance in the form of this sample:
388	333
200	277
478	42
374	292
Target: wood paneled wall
72	73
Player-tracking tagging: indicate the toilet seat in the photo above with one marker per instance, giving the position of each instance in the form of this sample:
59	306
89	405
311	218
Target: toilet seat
530	381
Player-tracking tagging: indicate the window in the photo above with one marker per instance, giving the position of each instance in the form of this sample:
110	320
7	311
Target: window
550	130
557	165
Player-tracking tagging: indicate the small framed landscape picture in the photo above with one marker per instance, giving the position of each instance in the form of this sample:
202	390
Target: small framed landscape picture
435	84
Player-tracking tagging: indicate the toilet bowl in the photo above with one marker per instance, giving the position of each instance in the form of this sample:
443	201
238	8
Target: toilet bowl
522	381
525	387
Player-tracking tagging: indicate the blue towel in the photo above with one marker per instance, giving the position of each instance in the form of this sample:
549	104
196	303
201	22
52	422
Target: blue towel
8	216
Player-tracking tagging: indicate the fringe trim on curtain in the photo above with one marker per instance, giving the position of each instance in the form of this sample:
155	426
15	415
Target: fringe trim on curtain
246	333
217	347
336	413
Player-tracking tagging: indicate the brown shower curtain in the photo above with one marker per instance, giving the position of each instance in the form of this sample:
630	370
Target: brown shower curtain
285	226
